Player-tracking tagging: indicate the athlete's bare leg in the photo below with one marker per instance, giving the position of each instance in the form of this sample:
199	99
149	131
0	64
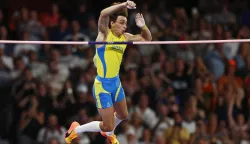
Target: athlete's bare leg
121	110
107	115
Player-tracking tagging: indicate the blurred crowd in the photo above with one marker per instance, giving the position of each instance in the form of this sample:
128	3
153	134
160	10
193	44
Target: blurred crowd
176	94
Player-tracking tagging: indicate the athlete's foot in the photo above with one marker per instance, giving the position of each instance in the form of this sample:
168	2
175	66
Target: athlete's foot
71	134
112	139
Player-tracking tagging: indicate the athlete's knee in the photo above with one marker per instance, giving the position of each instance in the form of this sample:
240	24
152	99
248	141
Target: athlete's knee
123	116
107	127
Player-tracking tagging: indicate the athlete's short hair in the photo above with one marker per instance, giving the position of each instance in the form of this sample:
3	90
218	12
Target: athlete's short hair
122	12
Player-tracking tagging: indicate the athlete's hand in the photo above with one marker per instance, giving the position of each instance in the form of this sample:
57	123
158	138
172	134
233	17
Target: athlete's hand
130	4
140	22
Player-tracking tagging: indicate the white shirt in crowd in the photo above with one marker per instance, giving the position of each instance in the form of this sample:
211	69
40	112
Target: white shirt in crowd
8	62
230	49
84	139
190	126
72	61
38	69
24	47
45	134
149	117
168	122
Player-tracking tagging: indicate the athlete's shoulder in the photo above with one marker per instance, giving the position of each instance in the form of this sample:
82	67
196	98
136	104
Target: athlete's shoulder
132	37
127	35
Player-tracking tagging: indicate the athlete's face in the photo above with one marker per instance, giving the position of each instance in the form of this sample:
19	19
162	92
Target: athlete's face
119	26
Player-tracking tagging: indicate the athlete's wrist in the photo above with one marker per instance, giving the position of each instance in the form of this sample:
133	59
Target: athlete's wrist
143	27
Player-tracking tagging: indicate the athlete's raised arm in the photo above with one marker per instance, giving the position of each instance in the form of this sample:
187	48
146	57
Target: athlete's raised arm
103	21
145	32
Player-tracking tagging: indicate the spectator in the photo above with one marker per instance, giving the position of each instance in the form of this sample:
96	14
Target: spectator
173	34
66	97
147	114
246	75
160	140
231	49
243	52
244	72
23	49
230	78
22	25
185	53
76	34
52	130
128	134
203	33
83	15
206	92
136	127
215	62
31	121
52	19
177	134
4	35
147	136
5	76
19	66
132	86
225	16
200	69
182	18
24	87
200	134
239	127
53	141
243	32
92	28
61	31
212	128
71	61
54	78
45	100
164	121
84	100
34	26
38	68
221	108
188	122
181	81
7	61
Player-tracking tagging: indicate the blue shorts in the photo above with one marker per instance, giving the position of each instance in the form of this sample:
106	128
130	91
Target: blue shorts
107	91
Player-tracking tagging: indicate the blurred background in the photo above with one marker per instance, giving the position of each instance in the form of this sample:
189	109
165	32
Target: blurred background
176	94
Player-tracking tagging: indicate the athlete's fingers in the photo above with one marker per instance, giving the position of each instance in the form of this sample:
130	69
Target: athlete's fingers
131	5
142	16
138	15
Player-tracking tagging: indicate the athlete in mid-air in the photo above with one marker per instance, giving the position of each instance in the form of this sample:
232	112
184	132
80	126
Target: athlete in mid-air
107	89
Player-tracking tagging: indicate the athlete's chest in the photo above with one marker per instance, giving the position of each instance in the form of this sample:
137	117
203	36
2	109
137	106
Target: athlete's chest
115	49
120	48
